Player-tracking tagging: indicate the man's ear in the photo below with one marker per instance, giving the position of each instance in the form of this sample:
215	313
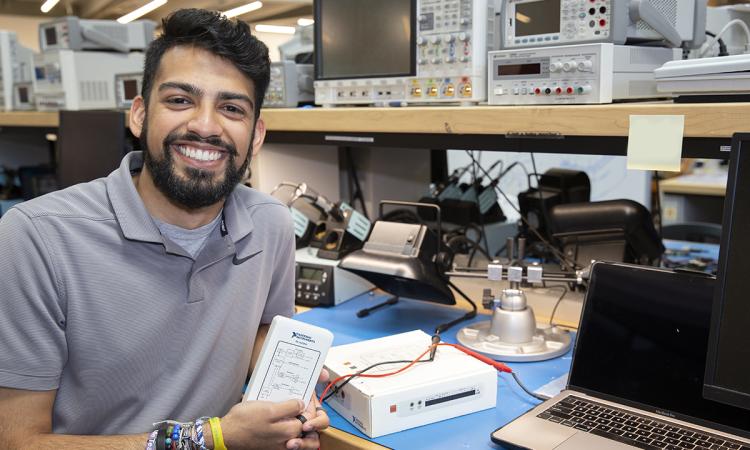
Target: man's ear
137	116
259	137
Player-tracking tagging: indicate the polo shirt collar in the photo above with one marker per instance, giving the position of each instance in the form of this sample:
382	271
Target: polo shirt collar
136	222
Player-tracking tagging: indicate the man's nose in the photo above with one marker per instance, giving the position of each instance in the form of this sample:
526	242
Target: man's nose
205	122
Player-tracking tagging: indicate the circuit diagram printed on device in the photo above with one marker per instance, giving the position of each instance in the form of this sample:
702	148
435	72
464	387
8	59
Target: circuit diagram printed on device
289	372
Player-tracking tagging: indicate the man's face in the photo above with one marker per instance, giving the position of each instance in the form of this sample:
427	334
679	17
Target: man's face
198	131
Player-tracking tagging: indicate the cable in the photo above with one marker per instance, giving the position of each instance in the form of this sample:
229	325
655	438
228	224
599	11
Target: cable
722	46
357	195
525	389
468	316
483	233
718	36
657	201
499	366
560	255
545	214
361	373
557	303
474	245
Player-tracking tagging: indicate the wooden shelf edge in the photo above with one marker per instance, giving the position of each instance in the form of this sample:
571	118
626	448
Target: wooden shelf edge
713	120
29	119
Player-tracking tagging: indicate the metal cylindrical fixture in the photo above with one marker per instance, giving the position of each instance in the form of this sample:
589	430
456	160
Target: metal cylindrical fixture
513	300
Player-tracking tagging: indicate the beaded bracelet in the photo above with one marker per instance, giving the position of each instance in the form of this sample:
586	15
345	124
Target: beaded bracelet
173	435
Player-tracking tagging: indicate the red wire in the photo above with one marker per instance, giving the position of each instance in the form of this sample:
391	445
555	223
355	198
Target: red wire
496	364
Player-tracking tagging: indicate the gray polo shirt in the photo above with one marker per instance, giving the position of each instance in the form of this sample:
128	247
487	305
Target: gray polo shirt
125	324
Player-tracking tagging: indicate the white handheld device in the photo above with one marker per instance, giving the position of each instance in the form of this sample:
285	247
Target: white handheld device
290	361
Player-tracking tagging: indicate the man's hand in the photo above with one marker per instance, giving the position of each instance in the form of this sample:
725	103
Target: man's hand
317	420
259	425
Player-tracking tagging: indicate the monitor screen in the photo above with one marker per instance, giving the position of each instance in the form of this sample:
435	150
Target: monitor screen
50	36
23	94
364	38
537	17
728	364
643	339
130	89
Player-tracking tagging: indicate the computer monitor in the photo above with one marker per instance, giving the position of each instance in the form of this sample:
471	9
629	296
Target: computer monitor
364	38
727	377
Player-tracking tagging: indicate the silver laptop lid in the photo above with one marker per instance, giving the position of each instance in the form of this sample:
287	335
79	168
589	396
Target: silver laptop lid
643	341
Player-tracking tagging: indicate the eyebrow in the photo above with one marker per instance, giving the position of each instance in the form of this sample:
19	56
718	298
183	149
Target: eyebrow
198	92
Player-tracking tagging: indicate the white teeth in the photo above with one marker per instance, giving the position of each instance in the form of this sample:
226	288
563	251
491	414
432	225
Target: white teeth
198	154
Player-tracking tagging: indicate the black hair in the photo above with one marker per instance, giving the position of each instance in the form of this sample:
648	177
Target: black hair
209	30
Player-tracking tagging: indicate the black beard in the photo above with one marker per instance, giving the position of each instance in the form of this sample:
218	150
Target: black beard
199	189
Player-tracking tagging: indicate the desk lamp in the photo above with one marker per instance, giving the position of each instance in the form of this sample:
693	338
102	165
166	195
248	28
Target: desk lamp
405	260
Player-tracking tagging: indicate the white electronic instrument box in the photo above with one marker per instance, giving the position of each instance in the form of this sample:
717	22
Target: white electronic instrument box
67	79
536	23
443	55
717	75
16	67
291	85
452	385
73	33
585	73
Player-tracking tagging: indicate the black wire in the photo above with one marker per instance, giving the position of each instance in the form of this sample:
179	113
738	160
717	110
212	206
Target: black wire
483	233
545	213
474	245
353	176
522	166
469	315
525	389
557	303
356	374
722	46
657	201
560	255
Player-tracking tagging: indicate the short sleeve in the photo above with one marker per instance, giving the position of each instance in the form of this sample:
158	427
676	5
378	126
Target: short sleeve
281	293
33	347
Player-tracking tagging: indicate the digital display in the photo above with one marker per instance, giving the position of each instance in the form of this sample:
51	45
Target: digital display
364	38
519	69
310	273
130	89
50	36
537	17
23	94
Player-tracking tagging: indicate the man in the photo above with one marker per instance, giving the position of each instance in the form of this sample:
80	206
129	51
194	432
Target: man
146	295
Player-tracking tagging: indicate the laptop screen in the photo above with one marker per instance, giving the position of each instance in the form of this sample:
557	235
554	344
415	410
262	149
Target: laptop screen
643	340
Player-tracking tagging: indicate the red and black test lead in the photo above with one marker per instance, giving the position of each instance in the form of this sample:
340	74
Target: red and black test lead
432	349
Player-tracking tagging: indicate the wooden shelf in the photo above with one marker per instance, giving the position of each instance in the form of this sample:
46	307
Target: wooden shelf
29	119
577	129
711	120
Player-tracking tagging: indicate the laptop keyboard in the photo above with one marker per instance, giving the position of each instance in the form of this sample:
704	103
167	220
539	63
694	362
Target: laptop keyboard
632	429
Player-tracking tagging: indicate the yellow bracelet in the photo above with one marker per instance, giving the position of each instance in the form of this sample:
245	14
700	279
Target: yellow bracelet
218	438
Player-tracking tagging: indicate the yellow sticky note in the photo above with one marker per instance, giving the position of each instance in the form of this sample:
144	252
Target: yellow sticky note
655	142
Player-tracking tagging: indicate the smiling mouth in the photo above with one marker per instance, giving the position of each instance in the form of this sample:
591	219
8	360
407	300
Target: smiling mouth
198	154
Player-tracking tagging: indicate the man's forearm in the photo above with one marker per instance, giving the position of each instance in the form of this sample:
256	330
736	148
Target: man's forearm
66	441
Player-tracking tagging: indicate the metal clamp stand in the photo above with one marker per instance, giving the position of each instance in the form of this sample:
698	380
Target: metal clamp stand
513	333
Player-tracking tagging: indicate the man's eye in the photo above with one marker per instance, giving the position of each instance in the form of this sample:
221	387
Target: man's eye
233	109
178	101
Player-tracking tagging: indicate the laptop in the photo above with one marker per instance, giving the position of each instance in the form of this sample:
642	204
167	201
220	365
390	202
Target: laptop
636	378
